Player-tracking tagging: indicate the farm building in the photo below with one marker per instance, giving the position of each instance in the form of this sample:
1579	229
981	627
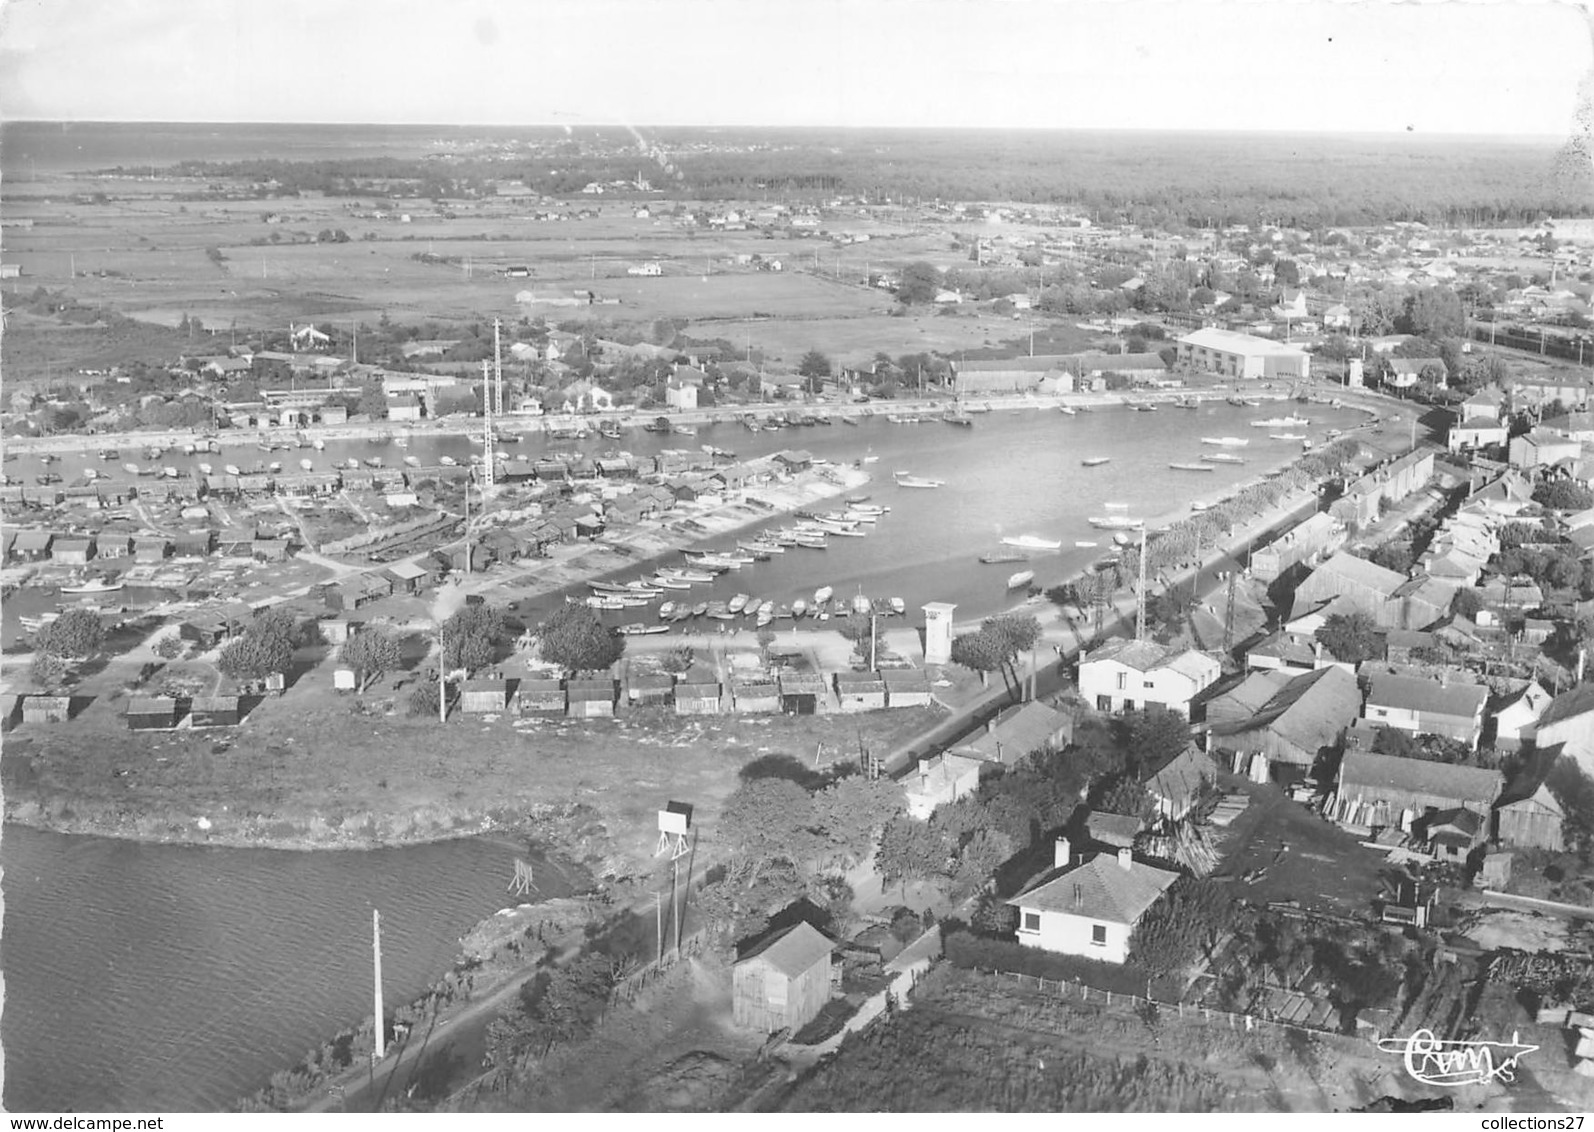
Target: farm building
151	713
650	688
46	709
591	698
1089	909
860	691
484	695
697	693
801	692
1020	731
1296	720
941	779
544	697
1533	822
215	711
784	982
1388	791
756	695
1015	375
1175	785
906	687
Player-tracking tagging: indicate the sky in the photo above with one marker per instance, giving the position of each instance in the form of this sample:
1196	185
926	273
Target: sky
1446	66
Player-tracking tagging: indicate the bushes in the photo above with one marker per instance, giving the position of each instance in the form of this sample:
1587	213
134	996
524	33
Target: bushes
965	949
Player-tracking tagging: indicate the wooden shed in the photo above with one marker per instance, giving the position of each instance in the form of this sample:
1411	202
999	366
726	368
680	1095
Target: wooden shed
1534	822
72	550
484	695
592	698
906	687
215	711
860	691
783	982
151	713
800	692
697	693
756	695
46	709
193	544
650	688
32	546
408	577
542	697
151	549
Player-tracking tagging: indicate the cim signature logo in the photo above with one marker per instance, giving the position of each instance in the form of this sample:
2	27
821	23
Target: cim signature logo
1452	1064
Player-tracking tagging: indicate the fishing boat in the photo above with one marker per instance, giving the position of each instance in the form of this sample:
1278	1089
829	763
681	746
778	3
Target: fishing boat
1281	422
1033	542
1145	408
1225	441
663	581
318	444
1222	458
849	421
1120	538
1286	436
1022	578
231	469
410	461
130	469
1183	467
898	606
1085	544
110	454
52	458
904	479
871	459
1067	410
447	461
91	586
700	608
961	420
811	541
47	478
1200	505
1113	522
304	465
204	469
89	474
684	430
799	609
715	609
274	467
373	461
862	605
782	612
666	611
1095	461
766	614
822	595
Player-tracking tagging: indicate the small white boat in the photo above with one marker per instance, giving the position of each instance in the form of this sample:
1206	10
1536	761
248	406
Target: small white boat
822	595
130	469
91	586
1033	542
318	445
409	460
447	461
231	469
1067	410
861	604
306	465
204	469
1226	441
1286	436
1022	578
1095	461
898	606
274	467
799	608
1200	505
1085	544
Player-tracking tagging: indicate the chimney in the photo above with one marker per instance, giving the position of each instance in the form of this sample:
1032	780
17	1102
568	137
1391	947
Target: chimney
1062	853
1126	860
1079	896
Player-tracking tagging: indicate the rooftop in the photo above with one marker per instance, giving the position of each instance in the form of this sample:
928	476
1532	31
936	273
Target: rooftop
1099	889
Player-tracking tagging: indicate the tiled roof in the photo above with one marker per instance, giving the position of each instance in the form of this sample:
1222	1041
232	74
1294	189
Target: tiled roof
1416	693
1418	776
792	951
1100	889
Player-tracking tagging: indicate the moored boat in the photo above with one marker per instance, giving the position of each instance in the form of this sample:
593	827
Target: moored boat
1003	556
1022	578
1033	542
1095	461
1183	467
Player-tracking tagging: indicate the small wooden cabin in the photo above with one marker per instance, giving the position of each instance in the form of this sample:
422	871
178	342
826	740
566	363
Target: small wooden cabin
151	713
697	693
906	687
783	982
483	696
591	698
46	709
756	695
860	691
801	692
650	688
544	697
215	711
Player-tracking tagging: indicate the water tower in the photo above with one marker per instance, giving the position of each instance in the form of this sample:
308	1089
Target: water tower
938	632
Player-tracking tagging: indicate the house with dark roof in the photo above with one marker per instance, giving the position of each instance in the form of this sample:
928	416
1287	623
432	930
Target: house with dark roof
1423	706
1348	584
784	982
1176	784
1530	817
1089	908
1126	675
1018	732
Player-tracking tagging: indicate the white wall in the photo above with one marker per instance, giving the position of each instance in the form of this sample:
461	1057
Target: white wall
1167	687
1068	934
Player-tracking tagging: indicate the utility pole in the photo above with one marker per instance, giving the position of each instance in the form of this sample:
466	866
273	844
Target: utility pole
376	957
1140	596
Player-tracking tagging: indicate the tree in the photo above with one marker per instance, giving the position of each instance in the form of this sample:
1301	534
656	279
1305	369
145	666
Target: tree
1394	556
1121	794
1153	736
47	670
765	638
1467	603
373	401
371	653
677	660
1351	637
1432	312
919	284
770	819
254	657
814	367
76	633
979	651
1286	273
471	635
1189	920
853	810
1012	634
1564	495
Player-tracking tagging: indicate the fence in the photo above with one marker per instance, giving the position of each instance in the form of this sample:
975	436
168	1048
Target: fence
627	989
1250	1023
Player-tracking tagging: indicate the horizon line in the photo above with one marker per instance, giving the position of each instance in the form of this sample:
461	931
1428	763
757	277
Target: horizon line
1315	131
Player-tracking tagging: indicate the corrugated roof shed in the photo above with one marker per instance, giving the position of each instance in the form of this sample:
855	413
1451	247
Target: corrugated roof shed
792	951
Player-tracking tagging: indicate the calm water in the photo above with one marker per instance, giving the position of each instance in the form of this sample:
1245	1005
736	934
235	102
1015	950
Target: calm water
1013	473
180	978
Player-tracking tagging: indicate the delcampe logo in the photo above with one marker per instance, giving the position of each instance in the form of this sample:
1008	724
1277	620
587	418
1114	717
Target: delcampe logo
1454	1063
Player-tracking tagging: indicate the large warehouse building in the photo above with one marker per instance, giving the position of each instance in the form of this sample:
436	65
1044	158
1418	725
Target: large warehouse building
1242	355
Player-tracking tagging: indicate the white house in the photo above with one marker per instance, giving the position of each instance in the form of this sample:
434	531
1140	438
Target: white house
1517	721
680	395
1242	355
1089	908
1127	675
